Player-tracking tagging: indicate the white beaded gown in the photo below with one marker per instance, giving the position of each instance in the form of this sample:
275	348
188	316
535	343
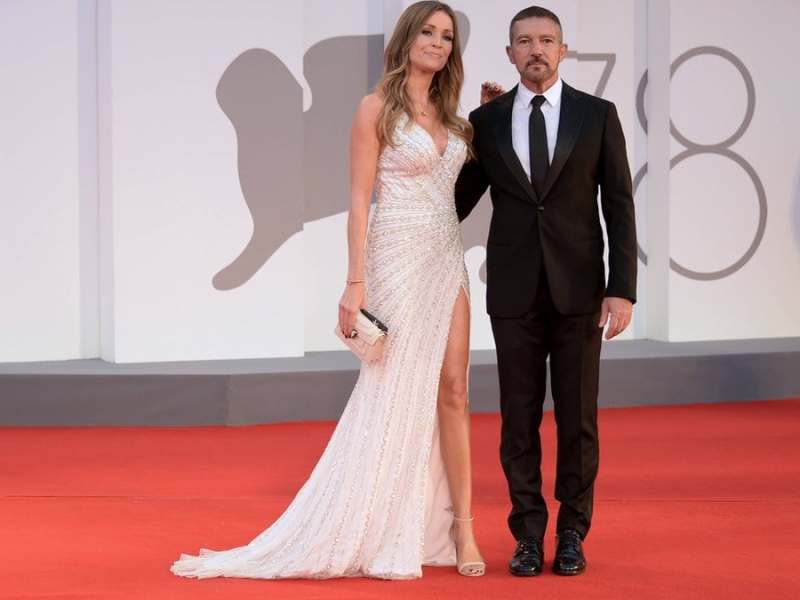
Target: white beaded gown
376	504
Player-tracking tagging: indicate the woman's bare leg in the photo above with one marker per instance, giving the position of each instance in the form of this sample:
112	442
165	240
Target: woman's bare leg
453	410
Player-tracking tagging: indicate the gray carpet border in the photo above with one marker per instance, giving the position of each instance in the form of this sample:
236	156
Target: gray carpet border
93	392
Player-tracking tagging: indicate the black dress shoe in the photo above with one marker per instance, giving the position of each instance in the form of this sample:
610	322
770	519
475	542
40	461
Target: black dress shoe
528	558
569	553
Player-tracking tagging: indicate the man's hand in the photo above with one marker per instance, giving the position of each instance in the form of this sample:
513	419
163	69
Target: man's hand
490	90
619	310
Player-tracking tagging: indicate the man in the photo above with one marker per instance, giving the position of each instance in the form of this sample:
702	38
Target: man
544	149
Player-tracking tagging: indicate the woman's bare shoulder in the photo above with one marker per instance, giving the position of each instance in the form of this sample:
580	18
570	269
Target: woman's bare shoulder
370	106
366	117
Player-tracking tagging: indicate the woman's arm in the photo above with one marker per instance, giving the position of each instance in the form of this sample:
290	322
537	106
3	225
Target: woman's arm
364	150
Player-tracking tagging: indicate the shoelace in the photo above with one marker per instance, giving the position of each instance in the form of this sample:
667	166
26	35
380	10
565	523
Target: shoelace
569	543
527	546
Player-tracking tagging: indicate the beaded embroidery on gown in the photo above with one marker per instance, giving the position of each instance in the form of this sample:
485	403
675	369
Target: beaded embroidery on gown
376	503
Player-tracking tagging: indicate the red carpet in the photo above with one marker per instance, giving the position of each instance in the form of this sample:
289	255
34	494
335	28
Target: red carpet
695	501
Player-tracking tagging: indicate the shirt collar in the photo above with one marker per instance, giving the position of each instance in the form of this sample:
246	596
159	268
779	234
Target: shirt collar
552	94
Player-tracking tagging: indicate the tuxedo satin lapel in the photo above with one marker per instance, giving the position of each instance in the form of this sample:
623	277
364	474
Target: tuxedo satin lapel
502	130
570	120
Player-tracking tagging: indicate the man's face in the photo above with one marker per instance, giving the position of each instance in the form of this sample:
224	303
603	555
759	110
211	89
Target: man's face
536	50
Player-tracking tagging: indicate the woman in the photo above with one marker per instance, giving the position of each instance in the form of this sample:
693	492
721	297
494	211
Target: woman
392	490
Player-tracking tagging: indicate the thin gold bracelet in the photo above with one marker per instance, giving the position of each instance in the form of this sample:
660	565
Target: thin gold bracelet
352	281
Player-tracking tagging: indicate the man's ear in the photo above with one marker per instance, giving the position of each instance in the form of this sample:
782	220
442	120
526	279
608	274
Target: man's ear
564	49
510	55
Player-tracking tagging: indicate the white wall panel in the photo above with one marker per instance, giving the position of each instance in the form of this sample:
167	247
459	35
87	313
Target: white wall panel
715	204
179	215
39	217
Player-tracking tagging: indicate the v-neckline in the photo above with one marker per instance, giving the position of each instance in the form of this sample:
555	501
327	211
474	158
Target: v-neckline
441	154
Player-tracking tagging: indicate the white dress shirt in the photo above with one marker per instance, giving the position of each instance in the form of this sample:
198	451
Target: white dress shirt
520	115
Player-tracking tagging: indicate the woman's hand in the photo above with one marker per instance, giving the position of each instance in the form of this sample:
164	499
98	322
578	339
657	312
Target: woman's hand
353	298
364	151
490	90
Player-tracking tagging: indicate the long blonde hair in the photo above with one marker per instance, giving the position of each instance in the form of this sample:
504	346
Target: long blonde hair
445	89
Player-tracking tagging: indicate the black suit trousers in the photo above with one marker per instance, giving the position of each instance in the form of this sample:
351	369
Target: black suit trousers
573	345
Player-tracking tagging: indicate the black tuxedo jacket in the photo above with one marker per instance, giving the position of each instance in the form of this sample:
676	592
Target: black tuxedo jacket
561	229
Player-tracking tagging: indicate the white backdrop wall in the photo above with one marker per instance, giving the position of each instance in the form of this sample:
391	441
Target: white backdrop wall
40	310
715	208
219	171
176	196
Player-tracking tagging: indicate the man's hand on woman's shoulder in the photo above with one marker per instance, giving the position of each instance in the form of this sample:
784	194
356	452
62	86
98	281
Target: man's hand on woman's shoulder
490	90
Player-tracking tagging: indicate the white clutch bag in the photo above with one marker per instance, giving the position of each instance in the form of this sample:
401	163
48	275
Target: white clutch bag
369	339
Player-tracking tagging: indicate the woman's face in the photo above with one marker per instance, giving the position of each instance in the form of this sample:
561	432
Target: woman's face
433	44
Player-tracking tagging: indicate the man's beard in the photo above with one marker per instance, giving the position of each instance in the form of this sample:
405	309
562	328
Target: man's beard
539	75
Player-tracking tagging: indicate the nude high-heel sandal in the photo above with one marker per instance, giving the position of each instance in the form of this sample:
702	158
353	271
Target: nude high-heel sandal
470	569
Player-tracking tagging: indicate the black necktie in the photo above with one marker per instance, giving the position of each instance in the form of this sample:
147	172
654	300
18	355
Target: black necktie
537	140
